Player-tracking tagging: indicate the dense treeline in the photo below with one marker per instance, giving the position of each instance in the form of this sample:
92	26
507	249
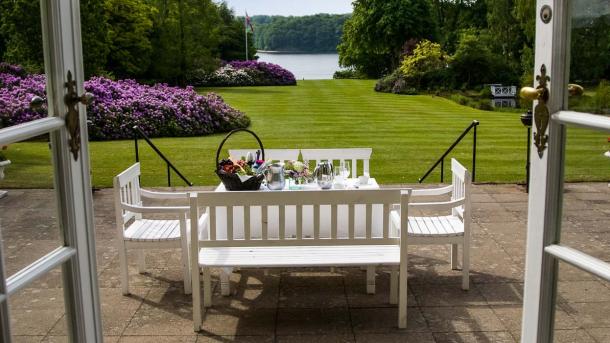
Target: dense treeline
314	33
155	40
478	41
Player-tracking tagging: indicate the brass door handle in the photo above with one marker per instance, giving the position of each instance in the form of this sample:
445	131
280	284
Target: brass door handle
531	93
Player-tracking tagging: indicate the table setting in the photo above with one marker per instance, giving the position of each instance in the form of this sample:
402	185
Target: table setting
253	172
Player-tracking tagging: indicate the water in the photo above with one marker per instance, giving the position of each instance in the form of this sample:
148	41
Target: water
305	66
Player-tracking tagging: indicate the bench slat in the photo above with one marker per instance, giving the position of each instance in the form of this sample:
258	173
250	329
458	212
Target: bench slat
296	256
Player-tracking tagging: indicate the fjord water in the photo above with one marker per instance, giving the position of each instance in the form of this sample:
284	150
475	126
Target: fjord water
305	66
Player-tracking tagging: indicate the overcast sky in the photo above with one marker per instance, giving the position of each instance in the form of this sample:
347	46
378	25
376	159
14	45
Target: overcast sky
289	7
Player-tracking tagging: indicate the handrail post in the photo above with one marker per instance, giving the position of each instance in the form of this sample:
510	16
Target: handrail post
135	140
138	131
441	160
474	150
169	177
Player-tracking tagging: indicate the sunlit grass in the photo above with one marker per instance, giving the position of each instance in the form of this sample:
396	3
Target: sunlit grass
407	134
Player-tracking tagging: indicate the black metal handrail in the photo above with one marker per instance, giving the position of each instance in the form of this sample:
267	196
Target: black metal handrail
441	160
170	166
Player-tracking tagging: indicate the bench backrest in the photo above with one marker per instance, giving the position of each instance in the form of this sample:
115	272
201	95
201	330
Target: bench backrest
353	155
461	183
270	154
242	211
127	191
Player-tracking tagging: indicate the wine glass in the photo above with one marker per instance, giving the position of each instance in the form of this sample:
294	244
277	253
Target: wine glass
345	169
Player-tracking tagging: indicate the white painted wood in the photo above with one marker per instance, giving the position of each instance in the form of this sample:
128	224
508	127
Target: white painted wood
270	154
353	155
581	260
21	132
37	269
136	232
60	28
452	228
546	184
583	120
301	250
298	256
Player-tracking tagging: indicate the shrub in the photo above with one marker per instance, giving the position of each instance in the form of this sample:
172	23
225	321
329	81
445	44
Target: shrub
159	110
395	83
244	73
348	74
424	67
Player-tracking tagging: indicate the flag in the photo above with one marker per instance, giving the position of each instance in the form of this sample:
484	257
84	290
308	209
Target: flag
249	22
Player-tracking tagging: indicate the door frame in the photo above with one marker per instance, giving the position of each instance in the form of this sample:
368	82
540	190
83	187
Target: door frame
62	53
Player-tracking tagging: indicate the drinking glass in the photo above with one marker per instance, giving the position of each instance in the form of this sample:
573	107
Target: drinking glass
345	169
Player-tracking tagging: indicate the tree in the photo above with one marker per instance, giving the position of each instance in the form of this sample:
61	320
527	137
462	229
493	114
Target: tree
473	60
314	33
20	26
186	38
232	45
95	36
373	37
130	25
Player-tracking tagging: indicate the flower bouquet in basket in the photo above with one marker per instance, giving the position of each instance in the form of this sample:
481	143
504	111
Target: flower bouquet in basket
241	174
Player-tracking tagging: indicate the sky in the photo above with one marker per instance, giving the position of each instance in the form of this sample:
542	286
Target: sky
290	7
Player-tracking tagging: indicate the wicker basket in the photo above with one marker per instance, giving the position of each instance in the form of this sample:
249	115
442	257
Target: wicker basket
232	181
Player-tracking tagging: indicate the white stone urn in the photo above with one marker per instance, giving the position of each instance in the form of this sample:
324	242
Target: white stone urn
3	164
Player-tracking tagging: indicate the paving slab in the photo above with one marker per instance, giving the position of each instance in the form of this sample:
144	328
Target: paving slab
320	304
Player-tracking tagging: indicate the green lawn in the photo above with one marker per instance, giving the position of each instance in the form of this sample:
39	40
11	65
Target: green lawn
407	134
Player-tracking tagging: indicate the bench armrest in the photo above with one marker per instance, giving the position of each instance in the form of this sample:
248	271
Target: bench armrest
156	209
431	191
163	195
441	205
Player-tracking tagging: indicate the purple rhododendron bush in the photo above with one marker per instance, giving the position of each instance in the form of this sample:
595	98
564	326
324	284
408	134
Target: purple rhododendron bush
159	110
245	73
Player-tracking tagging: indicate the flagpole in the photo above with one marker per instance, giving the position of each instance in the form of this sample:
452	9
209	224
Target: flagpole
246	33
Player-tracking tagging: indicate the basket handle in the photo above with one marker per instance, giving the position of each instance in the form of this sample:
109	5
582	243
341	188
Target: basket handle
260	144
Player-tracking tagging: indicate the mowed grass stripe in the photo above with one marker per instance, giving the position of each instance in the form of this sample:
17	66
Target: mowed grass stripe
407	134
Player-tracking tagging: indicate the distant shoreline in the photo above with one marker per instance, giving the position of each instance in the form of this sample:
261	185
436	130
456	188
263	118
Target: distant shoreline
282	52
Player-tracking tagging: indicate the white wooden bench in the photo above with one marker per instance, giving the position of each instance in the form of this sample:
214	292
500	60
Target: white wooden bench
282	155
345	154
136	232
267	249
452	227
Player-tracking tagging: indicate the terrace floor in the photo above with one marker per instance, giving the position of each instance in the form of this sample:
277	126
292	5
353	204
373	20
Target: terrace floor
316	304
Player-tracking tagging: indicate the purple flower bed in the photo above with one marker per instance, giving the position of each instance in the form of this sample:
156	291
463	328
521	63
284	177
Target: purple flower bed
159	110
270	73
245	73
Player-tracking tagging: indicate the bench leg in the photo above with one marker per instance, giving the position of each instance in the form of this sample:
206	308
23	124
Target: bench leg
141	261
196	285
225	282
402	295
394	285
186	269
454	256
124	268
370	279
466	265
207	288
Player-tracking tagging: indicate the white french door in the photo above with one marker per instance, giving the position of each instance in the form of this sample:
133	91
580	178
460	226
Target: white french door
67	127
552	123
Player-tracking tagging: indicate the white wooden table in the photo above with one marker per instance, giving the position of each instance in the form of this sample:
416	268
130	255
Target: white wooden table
290	216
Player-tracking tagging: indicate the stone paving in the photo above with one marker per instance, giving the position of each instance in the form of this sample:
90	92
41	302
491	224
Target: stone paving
316	305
